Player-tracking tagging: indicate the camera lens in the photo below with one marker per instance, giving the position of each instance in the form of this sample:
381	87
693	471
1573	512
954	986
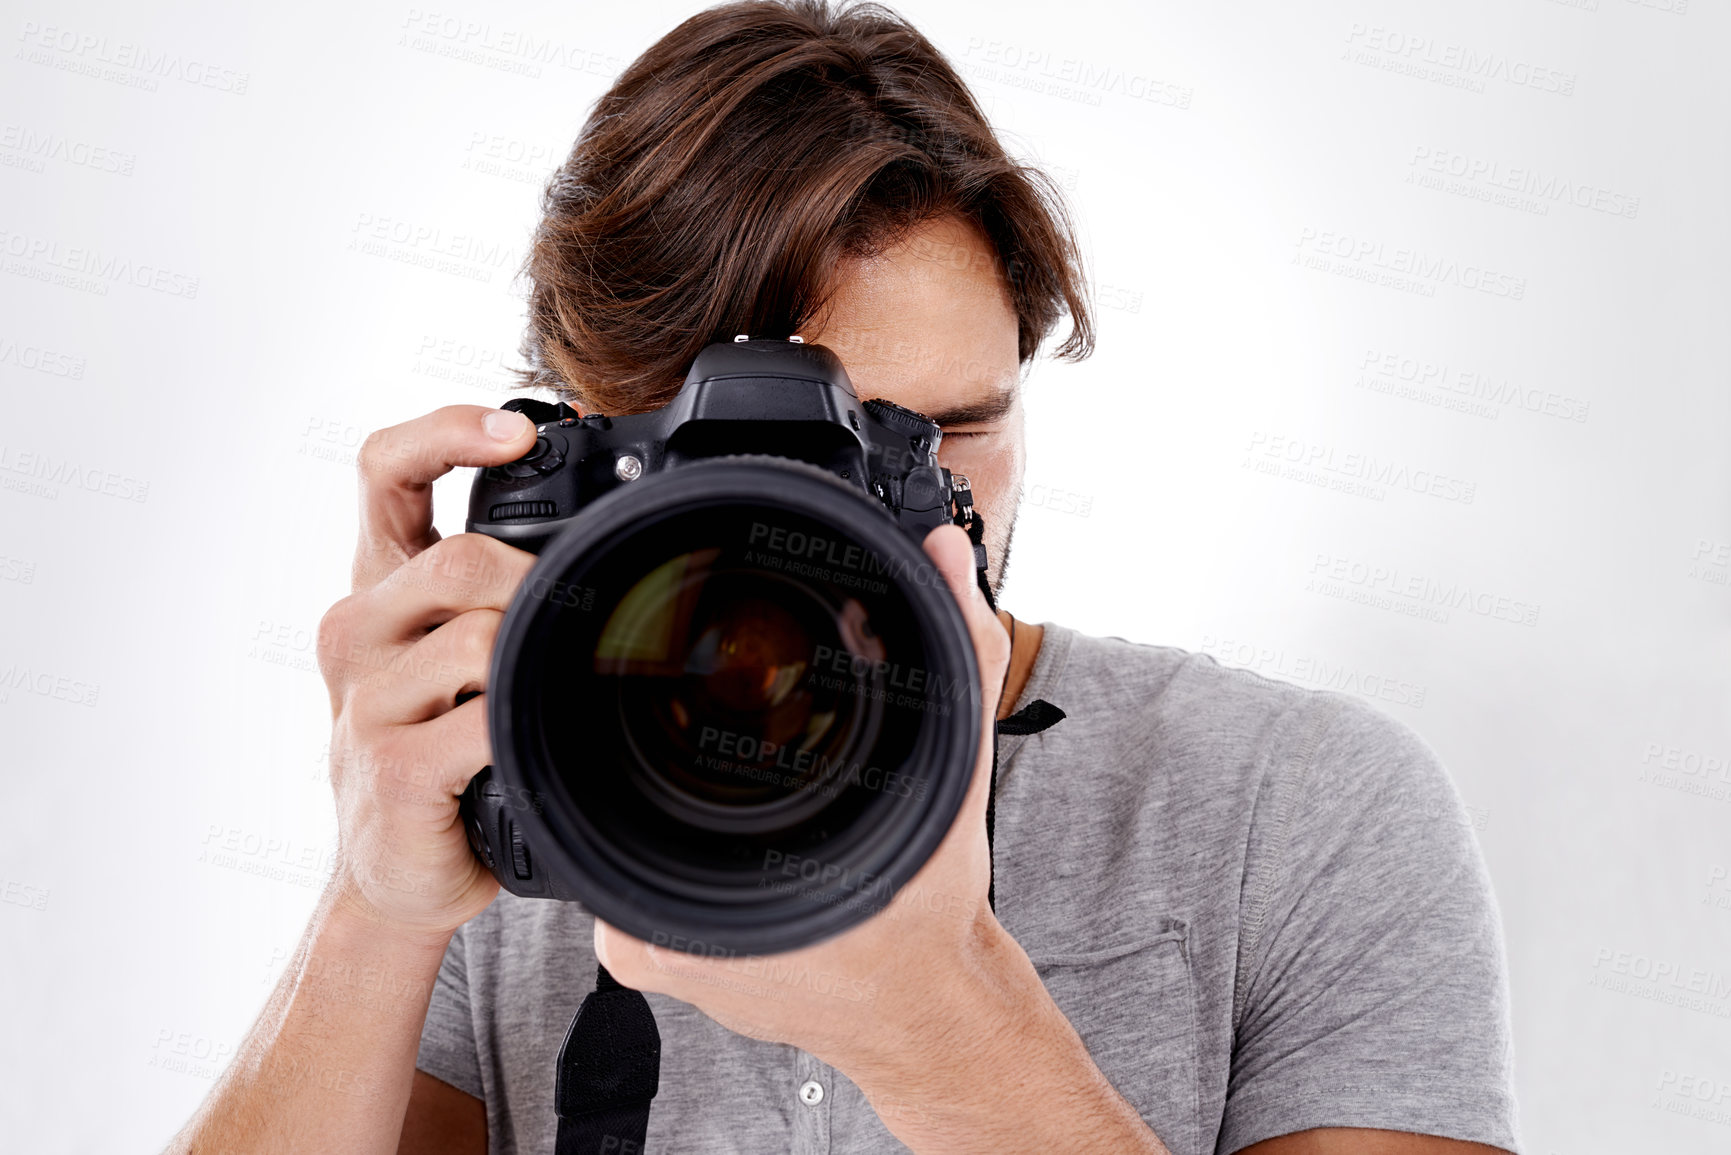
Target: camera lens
747	700
728	715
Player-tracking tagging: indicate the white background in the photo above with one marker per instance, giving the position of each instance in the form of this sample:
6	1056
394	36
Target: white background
159	591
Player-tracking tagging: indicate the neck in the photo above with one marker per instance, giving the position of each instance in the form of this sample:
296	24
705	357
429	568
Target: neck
1025	647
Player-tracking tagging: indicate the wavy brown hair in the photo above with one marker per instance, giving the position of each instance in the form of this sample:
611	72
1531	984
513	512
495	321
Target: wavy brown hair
718	185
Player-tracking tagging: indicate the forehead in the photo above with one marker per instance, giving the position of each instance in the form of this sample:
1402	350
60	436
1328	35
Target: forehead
927	324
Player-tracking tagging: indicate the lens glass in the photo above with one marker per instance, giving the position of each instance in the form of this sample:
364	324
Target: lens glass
735	684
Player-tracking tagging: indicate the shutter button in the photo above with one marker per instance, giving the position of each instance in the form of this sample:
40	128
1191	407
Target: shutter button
811	1093
542	458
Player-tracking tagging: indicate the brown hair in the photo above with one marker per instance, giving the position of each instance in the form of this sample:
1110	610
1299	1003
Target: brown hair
717	185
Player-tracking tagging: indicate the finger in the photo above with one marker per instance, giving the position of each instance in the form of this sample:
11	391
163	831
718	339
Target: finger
467	572
398	466
953	555
651	969
625	957
403	686
456	744
425	765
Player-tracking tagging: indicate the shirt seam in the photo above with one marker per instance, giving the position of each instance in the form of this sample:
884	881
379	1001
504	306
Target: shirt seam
1453	1089
1452	1094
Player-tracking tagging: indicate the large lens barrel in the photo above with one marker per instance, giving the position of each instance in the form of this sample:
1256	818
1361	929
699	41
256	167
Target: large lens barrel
745	702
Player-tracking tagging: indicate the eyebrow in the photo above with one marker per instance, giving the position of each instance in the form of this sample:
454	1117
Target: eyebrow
977	412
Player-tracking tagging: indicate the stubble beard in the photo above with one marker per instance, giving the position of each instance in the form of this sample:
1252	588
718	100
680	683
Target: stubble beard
998	565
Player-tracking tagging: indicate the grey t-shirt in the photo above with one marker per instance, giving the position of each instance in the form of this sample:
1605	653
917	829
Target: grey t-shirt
1261	906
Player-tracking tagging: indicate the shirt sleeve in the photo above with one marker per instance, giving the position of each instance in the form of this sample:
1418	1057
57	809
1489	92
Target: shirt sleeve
447	1049
1372	987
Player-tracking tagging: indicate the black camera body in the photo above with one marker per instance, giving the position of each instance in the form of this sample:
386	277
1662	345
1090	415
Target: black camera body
706	675
780	398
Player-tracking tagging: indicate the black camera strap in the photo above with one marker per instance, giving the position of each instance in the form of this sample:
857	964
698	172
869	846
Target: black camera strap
609	1070
609	1067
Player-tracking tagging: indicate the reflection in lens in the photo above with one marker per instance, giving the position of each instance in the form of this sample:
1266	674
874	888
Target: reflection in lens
714	701
725	728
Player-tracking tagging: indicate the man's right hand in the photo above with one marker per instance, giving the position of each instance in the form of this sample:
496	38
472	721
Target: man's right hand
416	632
330	1063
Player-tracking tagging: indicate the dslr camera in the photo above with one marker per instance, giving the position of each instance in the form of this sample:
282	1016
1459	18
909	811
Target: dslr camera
734	706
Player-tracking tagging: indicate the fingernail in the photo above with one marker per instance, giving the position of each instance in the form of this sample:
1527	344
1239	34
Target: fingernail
504	425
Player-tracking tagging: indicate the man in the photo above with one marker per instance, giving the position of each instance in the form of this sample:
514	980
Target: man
1229	914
